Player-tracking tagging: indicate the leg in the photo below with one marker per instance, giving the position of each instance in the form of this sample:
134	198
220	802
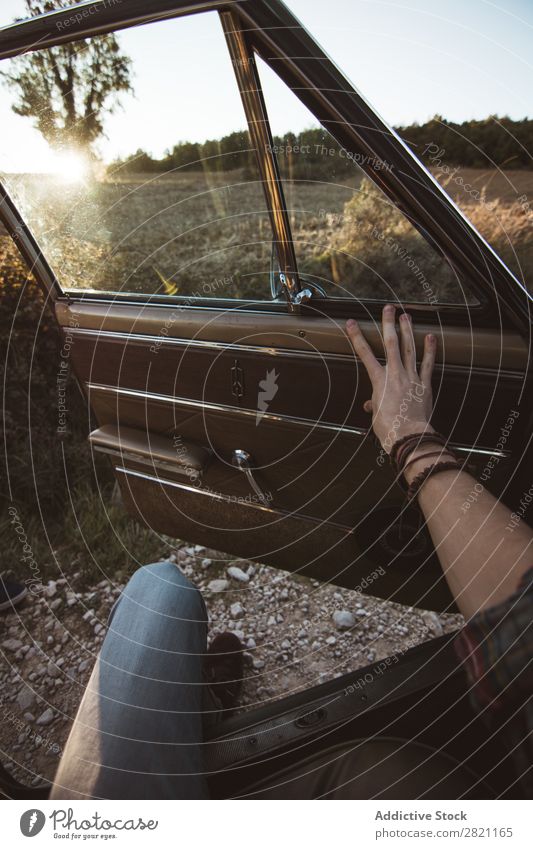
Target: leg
138	731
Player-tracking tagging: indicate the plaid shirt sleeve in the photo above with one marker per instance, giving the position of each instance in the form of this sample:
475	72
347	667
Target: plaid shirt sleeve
496	649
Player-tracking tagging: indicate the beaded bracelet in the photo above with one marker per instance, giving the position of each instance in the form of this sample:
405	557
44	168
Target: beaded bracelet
417	482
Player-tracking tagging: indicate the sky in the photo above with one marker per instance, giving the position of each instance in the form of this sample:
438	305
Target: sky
411	59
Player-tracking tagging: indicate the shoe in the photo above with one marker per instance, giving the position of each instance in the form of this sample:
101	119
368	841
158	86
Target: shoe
224	669
11	594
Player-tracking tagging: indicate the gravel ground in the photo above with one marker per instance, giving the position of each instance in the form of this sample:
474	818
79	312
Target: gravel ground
297	633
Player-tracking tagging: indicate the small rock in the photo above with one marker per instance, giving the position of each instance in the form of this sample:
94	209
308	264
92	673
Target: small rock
52	670
206	563
219	585
433	623
46	718
331	641
84	665
236	610
51	589
238	575
25	698
259	664
29	717
12	645
343	620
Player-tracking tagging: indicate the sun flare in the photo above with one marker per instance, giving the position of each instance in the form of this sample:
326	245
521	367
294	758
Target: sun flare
69	166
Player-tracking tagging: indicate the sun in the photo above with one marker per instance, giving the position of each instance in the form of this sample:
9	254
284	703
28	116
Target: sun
69	166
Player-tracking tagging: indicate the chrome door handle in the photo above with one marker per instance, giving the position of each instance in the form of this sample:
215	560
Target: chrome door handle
242	460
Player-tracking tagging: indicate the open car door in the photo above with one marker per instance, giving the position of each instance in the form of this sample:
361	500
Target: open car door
204	330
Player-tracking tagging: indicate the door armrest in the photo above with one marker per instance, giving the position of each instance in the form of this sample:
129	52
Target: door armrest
172	454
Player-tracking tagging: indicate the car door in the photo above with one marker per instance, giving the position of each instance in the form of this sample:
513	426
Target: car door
202	294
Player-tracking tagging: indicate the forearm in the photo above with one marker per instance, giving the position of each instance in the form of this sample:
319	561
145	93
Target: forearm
481	558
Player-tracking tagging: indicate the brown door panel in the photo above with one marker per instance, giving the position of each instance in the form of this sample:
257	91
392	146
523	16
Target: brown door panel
470	405
333	504
301	468
319	550
327	475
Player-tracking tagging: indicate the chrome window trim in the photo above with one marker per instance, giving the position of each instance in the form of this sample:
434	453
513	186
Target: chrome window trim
221	408
235	347
291	420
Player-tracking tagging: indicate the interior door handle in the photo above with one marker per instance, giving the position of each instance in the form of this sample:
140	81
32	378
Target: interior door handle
242	460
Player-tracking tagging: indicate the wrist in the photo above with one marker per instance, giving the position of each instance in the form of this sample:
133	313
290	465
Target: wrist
417	460
415	429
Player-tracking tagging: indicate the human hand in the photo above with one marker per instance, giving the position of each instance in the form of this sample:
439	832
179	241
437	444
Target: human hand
402	400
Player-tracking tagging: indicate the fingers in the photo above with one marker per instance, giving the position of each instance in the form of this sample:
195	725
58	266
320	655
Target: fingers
407	345
363	349
367	407
390	338
428	359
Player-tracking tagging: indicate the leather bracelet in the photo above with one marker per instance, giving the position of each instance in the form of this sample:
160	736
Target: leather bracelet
417	482
425	457
409	442
409	447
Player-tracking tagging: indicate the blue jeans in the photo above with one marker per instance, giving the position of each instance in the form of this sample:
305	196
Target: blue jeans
138	733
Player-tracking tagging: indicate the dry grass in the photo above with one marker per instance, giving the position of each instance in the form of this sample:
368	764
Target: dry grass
209	234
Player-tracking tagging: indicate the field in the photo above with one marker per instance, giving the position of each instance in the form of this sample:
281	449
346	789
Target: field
208	234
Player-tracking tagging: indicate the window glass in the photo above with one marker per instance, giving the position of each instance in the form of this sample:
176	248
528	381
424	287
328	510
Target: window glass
485	166
129	157
348	236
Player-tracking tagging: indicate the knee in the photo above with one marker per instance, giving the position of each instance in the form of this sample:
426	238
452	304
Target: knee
164	588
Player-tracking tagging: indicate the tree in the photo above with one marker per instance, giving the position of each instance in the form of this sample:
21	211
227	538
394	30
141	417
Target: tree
68	90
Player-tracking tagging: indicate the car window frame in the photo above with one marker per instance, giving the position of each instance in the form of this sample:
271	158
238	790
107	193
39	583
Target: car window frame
274	33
